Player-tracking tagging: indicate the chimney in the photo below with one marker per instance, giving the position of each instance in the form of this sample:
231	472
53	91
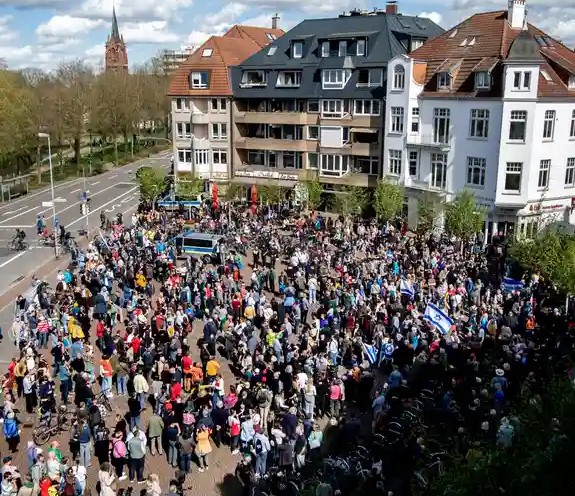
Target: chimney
275	20
391	7
517	14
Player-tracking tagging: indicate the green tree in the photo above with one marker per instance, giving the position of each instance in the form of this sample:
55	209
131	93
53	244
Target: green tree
190	188
351	200
429	207
463	216
233	191
271	193
388	200
314	189
152	183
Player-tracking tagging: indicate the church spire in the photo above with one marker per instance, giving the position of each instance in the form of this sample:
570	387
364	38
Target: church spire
115	31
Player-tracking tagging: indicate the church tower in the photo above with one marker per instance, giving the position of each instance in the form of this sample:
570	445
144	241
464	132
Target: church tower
116	53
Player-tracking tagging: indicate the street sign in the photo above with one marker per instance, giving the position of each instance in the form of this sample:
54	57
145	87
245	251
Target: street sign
47	204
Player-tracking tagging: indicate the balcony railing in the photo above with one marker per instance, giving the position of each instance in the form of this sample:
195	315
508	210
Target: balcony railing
427	140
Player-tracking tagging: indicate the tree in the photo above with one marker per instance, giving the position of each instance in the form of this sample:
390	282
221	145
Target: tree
233	191
351	200
271	193
463	216
314	190
388	199
190	188
152	183
428	210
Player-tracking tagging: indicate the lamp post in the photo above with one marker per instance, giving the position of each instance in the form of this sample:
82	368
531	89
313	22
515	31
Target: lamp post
46	135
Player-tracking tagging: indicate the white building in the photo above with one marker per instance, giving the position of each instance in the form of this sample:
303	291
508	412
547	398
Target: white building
489	106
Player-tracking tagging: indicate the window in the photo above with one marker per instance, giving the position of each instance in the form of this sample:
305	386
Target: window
438	170
272	50
441	121
366	107
482	80
360	48
521	80
444	81
313	132
313	106
398	77
544	168
342	48
253	78
325	49
271	36
369	78
570	172
475	171
207	52
183	104
218	104
219	131
513	177
289	79
479	124
571	83
220	157
335	79
413	163
545	75
297	49
201	157
199	80
185	156
415	120
395	162
572	129
518	125
184	130
334	165
397	120
415	44
549	125
332	108
366	165
312	161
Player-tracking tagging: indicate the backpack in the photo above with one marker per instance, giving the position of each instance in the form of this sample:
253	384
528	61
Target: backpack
10	428
119	449
259	446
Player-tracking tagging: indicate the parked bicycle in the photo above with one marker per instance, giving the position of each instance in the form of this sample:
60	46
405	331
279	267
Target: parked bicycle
52	425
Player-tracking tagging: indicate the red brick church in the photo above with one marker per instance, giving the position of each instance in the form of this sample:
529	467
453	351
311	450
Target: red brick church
116	53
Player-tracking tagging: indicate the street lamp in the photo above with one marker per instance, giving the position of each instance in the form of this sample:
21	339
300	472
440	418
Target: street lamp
46	135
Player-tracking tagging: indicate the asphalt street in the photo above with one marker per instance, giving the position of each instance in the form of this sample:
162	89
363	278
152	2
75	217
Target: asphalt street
113	192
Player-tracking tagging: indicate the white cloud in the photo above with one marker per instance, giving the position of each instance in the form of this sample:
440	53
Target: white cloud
132	10
148	32
16	53
61	27
196	38
29	4
61	47
308	6
436	17
228	14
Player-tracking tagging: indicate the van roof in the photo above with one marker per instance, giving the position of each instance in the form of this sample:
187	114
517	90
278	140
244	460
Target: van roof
200	235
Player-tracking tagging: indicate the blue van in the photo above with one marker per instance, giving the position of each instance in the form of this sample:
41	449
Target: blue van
200	244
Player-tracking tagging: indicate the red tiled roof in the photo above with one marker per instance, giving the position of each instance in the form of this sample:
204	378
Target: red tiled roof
482	41
236	45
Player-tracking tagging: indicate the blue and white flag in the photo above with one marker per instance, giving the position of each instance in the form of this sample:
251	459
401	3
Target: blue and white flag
438	318
406	289
371	353
508	285
387	349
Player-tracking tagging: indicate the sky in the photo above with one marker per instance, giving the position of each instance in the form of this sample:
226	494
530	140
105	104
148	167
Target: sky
44	33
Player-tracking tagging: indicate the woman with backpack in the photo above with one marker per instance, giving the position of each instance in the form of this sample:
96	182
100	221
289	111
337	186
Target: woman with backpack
118	454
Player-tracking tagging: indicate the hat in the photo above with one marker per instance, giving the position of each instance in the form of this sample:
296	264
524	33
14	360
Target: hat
6	459
499	372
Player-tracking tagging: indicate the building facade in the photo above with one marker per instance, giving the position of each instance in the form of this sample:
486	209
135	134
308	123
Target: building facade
201	101
116	52
488	106
312	103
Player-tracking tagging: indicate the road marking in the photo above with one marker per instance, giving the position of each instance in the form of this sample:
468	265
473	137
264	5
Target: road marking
43	191
119	205
76	190
16	227
14	211
12	259
112	177
94	184
128	171
96	209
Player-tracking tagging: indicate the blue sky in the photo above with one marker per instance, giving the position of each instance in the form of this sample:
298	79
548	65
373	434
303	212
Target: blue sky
43	33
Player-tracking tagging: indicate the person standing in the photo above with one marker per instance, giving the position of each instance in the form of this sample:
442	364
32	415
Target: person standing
84	439
203	447
155	429
136	444
262	447
118	453
106	479
11	429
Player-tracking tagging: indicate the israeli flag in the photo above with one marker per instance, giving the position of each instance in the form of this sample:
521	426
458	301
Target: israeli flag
406	289
438	318
387	349
508	285
371	353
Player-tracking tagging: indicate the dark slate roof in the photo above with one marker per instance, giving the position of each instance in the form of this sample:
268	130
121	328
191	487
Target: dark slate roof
384	34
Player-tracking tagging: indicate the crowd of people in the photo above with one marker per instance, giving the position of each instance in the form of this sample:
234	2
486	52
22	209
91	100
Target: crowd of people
323	323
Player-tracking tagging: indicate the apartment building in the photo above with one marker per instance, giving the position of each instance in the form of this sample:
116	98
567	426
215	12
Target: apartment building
201	101
490	106
311	103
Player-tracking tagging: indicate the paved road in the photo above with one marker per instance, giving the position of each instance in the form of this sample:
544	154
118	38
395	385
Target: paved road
114	191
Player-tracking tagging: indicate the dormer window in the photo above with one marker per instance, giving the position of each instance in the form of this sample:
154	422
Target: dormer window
199	80
416	43
289	79
482	80
360	48
297	49
571	84
251	79
325	49
207	52
271	36
444	81
342	48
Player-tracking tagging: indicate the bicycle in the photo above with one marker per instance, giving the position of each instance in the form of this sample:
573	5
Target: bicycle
103	402
46	241
17	244
52	425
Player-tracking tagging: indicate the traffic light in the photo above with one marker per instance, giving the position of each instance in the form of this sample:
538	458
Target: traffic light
85	208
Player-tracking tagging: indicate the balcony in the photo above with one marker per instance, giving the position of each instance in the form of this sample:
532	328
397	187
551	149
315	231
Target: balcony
365	149
275	118
199	118
426	141
272	144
